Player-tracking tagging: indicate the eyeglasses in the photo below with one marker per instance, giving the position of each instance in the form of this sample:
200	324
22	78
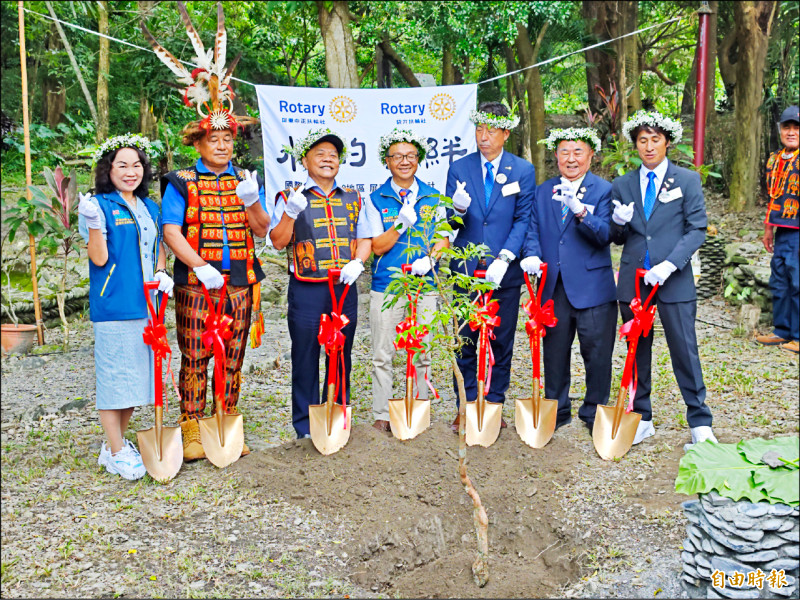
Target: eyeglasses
398	158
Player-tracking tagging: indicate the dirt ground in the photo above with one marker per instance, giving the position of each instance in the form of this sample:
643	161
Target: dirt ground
381	517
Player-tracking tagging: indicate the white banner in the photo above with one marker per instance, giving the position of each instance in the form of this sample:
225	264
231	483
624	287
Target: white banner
361	117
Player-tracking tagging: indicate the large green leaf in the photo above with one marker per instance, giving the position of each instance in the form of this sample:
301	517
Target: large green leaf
710	467
787	448
781	485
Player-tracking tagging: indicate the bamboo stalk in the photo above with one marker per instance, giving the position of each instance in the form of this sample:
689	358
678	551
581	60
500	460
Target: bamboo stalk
37	309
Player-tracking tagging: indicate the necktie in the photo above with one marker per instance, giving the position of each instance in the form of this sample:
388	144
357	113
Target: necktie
649	203
564	211
488	184
403	193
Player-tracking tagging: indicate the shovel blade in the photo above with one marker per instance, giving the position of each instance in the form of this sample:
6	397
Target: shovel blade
161	463
318	423
222	455
611	446
535	435
398	418
492	416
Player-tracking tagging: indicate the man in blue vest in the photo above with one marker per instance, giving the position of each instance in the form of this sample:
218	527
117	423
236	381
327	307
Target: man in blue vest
402	216
660	217
321	225
569	231
492	192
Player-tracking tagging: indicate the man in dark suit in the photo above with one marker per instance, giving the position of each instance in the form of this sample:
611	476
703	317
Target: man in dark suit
569	230
492	192
660	232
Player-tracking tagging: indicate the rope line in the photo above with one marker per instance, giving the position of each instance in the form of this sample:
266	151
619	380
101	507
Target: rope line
538	64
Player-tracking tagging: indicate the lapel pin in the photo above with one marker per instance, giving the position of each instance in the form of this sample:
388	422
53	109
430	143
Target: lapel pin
583	189
508	168
501	178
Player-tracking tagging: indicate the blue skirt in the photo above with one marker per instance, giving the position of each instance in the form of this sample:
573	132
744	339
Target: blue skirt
123	365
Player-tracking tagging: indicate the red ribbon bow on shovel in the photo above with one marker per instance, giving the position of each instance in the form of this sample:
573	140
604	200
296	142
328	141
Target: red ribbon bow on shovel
155	336
539	317
640	325
330	335
412	335
486	316
216	333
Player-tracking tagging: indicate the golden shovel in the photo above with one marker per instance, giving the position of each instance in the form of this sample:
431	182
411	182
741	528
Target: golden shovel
161	447
535	417
328	424
614	429
409	416
221	434
483	417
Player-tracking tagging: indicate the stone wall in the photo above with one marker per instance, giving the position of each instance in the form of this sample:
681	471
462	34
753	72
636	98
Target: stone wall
724	535
747	268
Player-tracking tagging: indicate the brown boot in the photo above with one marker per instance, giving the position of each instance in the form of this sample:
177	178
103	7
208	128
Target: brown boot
770	340
792	346
192	448
245	450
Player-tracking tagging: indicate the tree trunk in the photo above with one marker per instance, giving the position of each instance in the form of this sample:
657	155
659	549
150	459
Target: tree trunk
630	22
383	69
528	54
753	25
522	135
74	63
404	70
448	71
600	62
103	68
147	120
727	67
340	51
54	102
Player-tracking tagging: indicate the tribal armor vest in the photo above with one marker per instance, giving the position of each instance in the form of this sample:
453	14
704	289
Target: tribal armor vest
324	233
209	196
782	187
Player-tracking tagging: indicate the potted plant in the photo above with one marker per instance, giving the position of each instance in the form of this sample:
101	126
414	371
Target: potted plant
15	338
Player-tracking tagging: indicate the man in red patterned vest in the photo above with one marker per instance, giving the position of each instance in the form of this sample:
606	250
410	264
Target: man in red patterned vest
782	235
322	226
212	210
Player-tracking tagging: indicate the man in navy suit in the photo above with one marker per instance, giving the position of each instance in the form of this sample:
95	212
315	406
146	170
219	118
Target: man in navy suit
492	192
569	230
660	232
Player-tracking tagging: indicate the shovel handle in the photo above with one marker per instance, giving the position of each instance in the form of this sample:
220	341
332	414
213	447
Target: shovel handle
480	273
640	273
406	268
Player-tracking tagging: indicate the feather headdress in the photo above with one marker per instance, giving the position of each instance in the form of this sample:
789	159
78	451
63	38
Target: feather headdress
208	85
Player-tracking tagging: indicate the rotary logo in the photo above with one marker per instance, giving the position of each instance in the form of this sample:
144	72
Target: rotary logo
442	106
342	109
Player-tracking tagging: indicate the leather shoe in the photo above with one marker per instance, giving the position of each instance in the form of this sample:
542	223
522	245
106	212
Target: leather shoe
792	346
770	340
589	426
381	425
566	421
245	450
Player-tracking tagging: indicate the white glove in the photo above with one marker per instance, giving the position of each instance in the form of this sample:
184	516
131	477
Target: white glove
90	212
565	194
461	199
165	283
247	189
531	265
496	271
622	213
659	273
296	202
422	266
209	277
406	218
351	271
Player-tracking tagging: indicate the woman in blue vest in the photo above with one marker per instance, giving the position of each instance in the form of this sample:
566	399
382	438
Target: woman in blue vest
121	226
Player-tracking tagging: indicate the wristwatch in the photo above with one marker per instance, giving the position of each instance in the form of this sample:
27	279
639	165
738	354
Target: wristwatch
359	260
505	258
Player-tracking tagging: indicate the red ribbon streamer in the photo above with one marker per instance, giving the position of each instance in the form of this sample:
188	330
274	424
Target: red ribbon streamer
486	320
539	317
155	336
331	337
640	325
216	333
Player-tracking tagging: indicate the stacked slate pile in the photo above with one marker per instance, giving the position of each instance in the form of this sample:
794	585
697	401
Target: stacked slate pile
729	536
75	300
712	261
746	277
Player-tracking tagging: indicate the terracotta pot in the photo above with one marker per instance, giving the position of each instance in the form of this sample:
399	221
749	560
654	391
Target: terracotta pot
17	339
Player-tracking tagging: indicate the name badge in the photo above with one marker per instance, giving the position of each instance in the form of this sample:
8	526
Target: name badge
510	188
669	196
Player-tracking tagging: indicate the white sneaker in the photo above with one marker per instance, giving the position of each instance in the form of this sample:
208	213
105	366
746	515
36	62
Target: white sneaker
700	434
644	430
126	463
105	455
